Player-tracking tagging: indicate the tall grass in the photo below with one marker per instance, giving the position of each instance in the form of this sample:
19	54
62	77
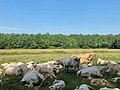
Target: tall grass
44	55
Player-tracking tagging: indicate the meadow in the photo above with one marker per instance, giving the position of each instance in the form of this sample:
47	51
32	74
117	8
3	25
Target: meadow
44	55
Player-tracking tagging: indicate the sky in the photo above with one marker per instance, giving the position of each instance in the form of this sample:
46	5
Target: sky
60	16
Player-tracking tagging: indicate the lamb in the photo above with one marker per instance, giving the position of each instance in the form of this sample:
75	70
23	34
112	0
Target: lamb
33	78
57	85
83	87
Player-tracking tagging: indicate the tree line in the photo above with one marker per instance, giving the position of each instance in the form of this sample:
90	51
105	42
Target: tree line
44	41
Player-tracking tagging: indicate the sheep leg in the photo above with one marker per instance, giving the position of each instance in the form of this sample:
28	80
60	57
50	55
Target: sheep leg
89	76
65	69
99	74
41	84
29	85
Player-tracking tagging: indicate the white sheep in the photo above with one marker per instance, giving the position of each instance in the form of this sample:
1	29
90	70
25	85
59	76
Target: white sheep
13	70
83	87
33	77
69	62
57	85
89	72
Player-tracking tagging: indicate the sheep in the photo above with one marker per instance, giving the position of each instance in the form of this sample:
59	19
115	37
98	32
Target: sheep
101	82
105	62
69	62
33	78
23	67
102	69
116	79
51	65
86	58
89	72
113	67
6	65
102	62
13	70
31	64
57	85
84	87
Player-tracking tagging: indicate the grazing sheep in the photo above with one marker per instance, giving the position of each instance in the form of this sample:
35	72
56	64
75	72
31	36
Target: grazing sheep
69	62
89	72
57	85
105	88
83	87
33	78
101	82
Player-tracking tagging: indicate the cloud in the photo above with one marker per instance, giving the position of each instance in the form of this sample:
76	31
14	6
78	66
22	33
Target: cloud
6	29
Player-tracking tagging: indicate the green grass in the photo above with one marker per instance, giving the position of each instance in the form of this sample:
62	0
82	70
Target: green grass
44	55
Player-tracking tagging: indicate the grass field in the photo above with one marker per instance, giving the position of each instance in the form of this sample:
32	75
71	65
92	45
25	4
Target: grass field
43	55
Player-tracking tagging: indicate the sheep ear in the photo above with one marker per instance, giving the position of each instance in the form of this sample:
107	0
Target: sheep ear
104	80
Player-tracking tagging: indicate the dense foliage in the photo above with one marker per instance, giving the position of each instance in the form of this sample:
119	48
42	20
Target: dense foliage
43	41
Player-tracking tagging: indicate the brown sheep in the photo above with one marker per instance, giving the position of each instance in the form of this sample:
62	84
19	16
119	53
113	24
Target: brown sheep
86	58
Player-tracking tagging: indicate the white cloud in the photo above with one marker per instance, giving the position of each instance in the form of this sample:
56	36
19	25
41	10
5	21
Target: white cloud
6	29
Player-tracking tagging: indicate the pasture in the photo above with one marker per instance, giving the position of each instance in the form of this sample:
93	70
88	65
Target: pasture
44	55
